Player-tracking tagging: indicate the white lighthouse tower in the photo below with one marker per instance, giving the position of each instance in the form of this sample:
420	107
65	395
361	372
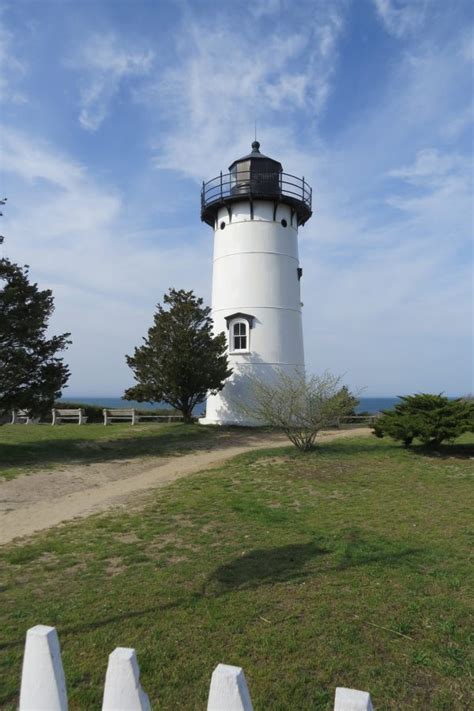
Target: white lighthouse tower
255	211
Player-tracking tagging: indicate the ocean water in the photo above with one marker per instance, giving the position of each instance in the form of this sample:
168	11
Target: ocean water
376	404
366	404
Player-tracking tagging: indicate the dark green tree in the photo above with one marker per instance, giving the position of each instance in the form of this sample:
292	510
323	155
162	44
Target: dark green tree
181	361
432	419
346	401
31	372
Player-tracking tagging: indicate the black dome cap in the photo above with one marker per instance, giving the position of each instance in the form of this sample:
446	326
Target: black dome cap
256	155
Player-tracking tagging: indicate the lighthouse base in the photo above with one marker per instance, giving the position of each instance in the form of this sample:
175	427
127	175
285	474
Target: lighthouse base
235	405
228	422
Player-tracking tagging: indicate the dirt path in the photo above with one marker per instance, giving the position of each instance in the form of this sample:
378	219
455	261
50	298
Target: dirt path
34	503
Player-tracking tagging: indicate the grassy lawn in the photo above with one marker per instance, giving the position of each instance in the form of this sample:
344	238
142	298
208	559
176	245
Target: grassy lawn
345	567
23	447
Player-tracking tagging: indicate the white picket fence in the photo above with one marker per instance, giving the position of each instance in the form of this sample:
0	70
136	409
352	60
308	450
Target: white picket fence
43	686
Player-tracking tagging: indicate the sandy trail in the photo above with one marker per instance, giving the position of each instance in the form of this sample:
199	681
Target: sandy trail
39	501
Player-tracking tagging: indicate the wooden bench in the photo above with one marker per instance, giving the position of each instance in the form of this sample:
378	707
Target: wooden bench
68	415
23	416
119	414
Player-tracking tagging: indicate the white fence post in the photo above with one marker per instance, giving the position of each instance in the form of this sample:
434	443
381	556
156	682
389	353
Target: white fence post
352	700
123	691
43	687
228	690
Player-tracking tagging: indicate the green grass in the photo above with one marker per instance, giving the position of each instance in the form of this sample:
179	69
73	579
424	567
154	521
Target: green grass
344	567
24	448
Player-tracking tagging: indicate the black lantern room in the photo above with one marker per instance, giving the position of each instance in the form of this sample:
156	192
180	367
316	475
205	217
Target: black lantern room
256	173
256	177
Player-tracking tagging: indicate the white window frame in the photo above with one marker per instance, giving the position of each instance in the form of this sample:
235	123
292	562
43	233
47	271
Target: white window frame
246	325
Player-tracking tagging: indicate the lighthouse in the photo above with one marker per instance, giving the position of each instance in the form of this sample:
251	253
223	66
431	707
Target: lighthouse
255	211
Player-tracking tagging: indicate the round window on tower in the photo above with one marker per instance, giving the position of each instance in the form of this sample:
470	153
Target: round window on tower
284	223
222	225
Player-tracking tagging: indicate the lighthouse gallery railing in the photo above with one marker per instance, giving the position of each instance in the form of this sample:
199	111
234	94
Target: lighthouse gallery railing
265	185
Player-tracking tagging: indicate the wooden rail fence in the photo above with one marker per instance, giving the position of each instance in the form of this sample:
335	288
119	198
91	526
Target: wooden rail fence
367	420
43	685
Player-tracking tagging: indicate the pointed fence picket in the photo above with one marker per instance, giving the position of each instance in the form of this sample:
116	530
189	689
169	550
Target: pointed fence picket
42	681
228	685
122	688
43	686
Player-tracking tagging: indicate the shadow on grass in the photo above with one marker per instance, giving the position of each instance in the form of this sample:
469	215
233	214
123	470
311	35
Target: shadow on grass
376	446
175	439
462	450
349	447
77	451
85	627
267	566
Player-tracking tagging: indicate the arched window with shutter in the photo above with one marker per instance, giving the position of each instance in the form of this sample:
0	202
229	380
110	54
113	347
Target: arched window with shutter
239	326
239	337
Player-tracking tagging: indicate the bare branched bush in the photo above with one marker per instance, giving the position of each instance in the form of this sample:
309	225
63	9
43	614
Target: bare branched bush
297	405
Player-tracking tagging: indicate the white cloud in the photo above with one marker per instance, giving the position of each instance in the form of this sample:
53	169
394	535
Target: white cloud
431	167
467	46
389	301
33	160
387	284
287	88
457	124
221	81
265	8
401	17
105	64
395	322
12	69
81	240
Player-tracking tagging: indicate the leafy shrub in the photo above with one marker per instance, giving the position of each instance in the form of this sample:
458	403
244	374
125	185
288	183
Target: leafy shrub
298	405
432	419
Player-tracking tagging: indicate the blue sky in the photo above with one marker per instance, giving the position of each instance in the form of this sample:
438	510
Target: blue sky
113	112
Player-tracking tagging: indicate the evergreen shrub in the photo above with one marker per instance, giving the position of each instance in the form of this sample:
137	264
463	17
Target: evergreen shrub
431	419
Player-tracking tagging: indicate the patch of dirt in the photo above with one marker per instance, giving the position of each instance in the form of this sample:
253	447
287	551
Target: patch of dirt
126	537
45	498
166	540
267	462
175	559
72	570
115	566
183	522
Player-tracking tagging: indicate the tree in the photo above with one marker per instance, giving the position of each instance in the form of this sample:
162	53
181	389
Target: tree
347	401
31	373
180	361
298	406
432	419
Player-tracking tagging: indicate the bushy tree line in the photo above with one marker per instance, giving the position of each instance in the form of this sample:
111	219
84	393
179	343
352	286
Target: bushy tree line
430	419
